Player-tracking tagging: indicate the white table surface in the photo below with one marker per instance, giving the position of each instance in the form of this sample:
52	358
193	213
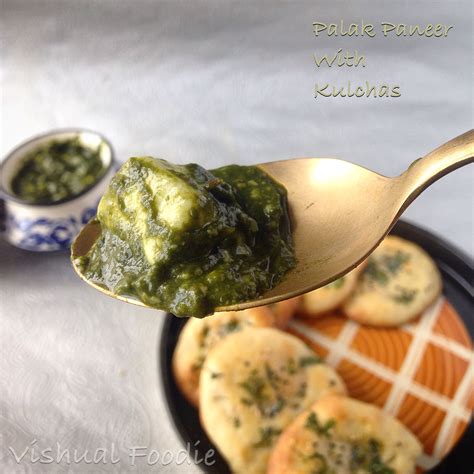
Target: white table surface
215	83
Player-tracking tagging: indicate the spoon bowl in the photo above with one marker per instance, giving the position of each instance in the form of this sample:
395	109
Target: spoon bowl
339	211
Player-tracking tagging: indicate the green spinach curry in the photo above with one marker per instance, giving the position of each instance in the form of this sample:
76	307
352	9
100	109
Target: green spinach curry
187	240
56	171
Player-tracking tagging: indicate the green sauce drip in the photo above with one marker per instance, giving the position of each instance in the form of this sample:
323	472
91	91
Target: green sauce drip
57	170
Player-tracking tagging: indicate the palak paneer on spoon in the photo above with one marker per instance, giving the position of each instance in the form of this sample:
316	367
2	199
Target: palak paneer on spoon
191	241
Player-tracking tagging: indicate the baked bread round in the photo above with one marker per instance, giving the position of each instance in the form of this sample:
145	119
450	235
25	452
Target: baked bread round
252	385
199	335
342	435
398	284
329	297
285	310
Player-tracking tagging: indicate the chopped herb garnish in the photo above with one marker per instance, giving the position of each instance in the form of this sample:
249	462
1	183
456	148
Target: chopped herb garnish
375	272
236	422
376	465
323	468
231	326
394	262
313	424
273	409
367	457
260	389
246	401
358	455
382	268
310	360
404	295
291	366
267	435
301	390
254	385
215	375
272	376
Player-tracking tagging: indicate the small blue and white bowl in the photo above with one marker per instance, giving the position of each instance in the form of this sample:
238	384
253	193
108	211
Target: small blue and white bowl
48	227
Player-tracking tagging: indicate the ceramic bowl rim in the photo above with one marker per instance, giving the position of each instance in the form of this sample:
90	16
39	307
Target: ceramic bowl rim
8	196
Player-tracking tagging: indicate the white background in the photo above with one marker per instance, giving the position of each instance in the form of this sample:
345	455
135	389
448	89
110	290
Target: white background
215	83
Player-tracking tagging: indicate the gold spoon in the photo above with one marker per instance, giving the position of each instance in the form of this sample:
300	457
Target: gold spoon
339	211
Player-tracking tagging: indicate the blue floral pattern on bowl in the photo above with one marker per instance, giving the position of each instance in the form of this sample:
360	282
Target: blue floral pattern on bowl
48	234
49	227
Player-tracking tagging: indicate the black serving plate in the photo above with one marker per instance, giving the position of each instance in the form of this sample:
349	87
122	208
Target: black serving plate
457	273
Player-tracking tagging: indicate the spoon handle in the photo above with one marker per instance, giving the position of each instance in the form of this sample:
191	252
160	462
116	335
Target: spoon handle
425	171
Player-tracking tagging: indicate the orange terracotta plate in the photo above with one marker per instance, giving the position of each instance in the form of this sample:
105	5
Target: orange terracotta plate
422	373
